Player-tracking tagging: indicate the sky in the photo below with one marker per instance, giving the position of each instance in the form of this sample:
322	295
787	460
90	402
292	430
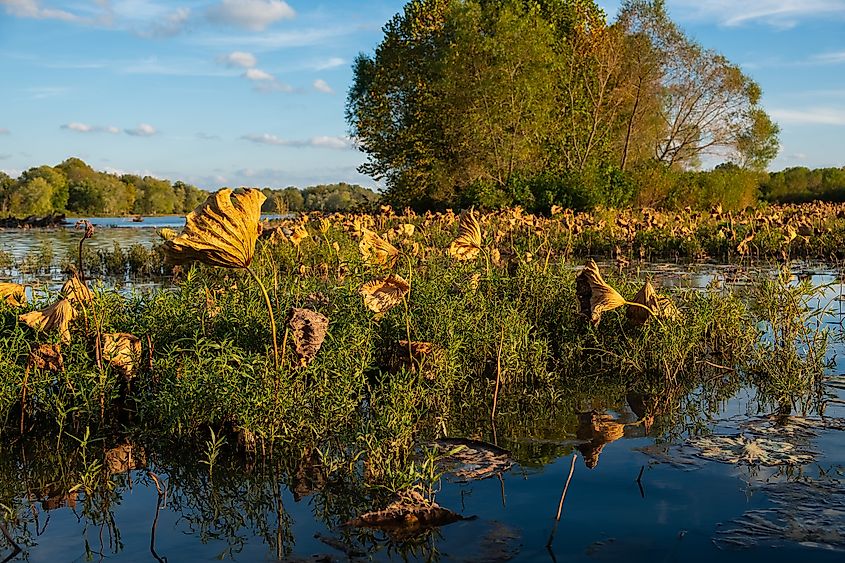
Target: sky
252	92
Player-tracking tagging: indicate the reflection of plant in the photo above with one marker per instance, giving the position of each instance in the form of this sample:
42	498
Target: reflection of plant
212	450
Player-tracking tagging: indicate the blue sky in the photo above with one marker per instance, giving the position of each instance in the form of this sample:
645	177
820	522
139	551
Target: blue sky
252	92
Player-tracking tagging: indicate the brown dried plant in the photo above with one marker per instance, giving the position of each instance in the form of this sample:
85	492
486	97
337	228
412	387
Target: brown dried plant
383	294
468	243
376	251
308	329
13	294
57	316
123	352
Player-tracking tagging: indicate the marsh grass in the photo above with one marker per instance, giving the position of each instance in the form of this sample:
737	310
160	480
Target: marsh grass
511	315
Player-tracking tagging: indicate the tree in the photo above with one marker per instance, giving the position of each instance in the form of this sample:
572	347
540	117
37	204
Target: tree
758	144
32	197
57	180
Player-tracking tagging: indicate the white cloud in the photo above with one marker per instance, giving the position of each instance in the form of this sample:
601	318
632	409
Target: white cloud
258	74
333	62
170	24
239	59
255	15
143	130
322	86
33	9
322	142
776	13
830	58
86	128
811	116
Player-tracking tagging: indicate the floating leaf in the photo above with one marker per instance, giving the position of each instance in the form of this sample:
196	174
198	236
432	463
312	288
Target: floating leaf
220	232
377	251
48	357
468	244
594	295
123	352
309	330
740	449
383	294
407	516
14	294
472	459
57	316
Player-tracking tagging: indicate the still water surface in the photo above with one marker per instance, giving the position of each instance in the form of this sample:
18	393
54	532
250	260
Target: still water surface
680	510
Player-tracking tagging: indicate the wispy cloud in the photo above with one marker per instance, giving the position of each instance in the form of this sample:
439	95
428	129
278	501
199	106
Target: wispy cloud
142	130
258	74
255	15
836	57
323	142
322	86
169	25
238	59
810	116
86	128
34	10
44	92
273	40
207	136
4	131
776	13
327	64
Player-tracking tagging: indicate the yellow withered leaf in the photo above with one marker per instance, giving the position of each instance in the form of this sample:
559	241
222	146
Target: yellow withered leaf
468	244
47	357
594	295
166	233
309	330
299	234
57	316
383	294
122	351
220	232
658	306
377	251
13	294
76	291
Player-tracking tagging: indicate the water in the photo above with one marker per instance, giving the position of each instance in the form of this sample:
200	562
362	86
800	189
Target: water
267	509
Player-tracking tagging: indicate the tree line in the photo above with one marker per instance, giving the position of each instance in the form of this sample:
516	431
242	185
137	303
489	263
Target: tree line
73	187
546	102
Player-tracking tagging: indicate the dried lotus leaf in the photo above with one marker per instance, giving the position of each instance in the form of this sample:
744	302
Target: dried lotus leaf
166	233
658	306
468	243
383	294
47	357
739	449
299	235
376	251
13	294
57	316
76	291
309	330
123	352
594	295
471	460
407	516
220	232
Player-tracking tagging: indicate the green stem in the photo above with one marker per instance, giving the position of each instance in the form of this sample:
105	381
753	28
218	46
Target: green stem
270	313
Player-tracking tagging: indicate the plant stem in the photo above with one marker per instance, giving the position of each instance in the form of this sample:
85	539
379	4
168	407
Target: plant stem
270	314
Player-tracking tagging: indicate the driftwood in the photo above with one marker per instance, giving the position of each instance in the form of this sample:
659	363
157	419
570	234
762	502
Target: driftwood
33	221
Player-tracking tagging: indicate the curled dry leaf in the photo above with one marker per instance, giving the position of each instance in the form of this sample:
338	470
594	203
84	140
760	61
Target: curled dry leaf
383	294
309	330
220	232
76	291
299	234
166	233
13	294
377	251
468	244
123	352
658	306
48	357
407	516
415	356
472	459
594	295
57	316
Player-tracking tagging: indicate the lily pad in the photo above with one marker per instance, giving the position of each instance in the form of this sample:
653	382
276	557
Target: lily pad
469	460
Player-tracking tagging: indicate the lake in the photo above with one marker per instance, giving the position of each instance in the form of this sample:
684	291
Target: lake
642	494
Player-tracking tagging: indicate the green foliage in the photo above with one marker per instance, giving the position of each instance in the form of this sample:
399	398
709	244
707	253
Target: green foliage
800	184
535	103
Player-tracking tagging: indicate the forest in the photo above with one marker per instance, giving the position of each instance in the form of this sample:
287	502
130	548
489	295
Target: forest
74	188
